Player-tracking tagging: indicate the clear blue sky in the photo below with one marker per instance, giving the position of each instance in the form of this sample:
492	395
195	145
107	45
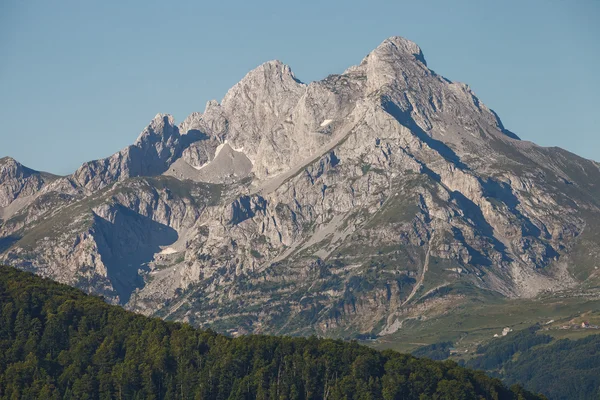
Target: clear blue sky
80	79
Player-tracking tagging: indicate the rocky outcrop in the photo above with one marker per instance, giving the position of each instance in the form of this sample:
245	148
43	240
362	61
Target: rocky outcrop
18	182
339	207
19	186
156	148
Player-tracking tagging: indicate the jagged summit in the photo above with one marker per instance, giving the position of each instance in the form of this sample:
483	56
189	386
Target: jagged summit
399	47
274	69
270	71
251	111
271	78
17	184
160	119
10	161
161	125
10	164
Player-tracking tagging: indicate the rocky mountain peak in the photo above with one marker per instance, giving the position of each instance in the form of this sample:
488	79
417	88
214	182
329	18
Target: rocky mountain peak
392	55
162	127
18	181
396	62
273	69
191	122
269	79
8	163
373	196
397	47
163	119
9	167
6	159
157	146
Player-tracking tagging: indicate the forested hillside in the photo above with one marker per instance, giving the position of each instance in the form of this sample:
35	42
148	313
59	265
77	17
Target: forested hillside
56	342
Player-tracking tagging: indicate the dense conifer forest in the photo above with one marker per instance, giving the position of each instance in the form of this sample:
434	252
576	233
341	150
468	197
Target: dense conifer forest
58	343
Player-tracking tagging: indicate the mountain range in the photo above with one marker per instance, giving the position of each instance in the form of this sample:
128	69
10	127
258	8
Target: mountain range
346	207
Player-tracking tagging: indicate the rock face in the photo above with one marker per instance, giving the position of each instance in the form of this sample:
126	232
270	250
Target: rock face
18	182
18	186
340	207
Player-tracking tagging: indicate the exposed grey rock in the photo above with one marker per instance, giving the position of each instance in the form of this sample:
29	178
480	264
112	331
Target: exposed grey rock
225	165
344	205
19	185
17	181
156	148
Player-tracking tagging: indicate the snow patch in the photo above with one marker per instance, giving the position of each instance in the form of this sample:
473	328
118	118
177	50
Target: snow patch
168	250
220	147
239	150
218	150
202	166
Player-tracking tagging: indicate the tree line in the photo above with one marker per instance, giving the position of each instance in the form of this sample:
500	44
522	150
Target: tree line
58	343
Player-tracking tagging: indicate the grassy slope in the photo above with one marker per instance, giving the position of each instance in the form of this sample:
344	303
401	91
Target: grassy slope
475	321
